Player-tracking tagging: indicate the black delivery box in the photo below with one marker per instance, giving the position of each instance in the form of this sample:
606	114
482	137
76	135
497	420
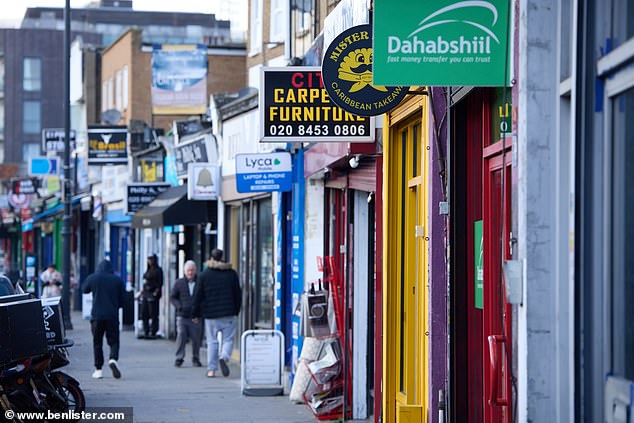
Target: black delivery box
14	297
22	332
53	322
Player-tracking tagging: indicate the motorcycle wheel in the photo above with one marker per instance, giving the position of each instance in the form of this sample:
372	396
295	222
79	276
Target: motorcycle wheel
74	398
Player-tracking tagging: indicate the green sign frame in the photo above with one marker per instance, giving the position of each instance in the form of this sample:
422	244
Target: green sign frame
441	42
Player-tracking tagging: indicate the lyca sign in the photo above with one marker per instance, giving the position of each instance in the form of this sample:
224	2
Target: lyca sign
441	43
264	172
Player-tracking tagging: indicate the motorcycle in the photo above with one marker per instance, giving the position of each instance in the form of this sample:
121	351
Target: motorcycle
36	385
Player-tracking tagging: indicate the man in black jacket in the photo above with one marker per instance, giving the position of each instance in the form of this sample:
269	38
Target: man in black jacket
217	299
108	295
182	298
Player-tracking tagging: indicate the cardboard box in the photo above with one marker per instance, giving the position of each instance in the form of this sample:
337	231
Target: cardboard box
53	320
22	331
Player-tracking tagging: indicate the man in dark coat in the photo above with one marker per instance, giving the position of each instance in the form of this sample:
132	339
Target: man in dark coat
217	299
183	298
108	295
150	296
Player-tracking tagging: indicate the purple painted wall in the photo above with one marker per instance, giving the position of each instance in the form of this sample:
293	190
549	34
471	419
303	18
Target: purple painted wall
438	255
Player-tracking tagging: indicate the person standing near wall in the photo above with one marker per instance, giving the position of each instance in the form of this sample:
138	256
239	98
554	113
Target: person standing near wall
150	295
218	299
182	298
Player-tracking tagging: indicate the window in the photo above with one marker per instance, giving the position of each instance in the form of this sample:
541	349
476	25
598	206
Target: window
125	87
104	96
622	230
255	39
622	22
32	74
278	20
31	117
1	74
111	93
118	89
30	150
566	24
303	15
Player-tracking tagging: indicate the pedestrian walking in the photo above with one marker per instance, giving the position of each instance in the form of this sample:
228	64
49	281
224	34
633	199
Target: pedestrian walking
150	296
108	295
186	329
51	282
217	299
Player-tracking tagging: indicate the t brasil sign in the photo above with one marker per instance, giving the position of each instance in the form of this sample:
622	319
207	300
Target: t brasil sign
347	73
441	43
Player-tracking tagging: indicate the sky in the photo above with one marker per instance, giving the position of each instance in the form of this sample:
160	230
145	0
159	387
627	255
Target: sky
14	9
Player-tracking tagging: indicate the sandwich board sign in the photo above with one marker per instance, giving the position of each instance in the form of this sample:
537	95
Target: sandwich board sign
262	363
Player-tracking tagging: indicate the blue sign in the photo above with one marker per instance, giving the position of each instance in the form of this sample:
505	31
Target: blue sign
264	172
43	166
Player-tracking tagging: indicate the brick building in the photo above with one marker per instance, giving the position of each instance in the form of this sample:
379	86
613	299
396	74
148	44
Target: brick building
126	77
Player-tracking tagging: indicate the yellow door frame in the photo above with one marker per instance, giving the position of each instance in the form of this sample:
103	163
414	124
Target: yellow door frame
405	258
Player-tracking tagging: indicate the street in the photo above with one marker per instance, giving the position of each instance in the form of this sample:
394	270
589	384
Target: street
158	392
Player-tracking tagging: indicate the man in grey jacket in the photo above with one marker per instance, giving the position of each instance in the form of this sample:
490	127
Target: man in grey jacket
182	298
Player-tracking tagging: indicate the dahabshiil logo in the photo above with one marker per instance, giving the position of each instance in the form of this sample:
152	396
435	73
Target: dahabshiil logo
462	14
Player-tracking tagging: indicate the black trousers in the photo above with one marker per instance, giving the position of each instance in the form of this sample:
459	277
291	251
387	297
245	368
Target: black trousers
150	310
111	329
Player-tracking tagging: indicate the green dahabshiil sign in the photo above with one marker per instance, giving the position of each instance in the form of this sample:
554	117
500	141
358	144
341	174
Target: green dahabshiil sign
441	42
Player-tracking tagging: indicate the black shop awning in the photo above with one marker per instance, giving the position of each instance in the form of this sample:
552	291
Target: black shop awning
172	208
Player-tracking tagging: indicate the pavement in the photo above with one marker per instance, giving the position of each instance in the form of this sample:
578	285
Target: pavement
158	392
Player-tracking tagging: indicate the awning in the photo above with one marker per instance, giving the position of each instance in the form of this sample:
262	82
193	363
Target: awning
55	209
117	216
173	208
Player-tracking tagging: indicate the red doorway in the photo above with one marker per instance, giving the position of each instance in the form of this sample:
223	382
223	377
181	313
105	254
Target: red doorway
497	312
481	318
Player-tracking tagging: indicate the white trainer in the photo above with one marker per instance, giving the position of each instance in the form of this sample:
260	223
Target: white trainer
97	374
115	368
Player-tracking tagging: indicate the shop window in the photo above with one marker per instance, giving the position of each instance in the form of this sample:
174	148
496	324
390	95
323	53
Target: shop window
264	276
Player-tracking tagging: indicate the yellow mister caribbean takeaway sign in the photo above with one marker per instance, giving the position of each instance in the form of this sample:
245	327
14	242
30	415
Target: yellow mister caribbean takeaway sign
347	73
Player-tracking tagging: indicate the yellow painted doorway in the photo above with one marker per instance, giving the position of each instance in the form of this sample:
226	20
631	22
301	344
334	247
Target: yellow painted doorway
405	255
